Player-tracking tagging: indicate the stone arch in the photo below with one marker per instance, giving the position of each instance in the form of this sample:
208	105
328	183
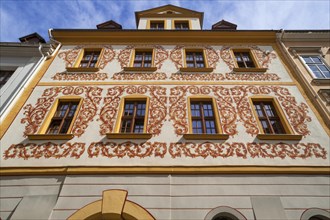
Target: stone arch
226	212
113	205
316	213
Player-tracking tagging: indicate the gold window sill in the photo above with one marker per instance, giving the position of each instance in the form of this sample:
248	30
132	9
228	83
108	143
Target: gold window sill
241	70
50	136
129	135
206	136
192	70
321	81
279	137
144	69
82	69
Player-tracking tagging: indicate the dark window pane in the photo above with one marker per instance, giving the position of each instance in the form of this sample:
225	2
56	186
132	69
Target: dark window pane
268	118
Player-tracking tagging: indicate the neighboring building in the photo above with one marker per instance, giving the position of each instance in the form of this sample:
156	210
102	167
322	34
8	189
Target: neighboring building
168	121
18	63
310	51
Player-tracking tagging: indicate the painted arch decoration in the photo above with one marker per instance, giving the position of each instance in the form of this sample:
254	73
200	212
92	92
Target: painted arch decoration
113	205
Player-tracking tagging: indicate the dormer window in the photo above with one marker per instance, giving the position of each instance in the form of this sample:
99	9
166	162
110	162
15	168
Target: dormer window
157	25
181	25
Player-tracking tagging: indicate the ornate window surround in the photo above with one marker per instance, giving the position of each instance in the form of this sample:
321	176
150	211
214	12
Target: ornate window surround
41	135
144	69
205	69
219	135
257	67
80	56
289	132
117	134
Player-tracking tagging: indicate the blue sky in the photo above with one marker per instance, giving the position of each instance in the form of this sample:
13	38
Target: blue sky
22	17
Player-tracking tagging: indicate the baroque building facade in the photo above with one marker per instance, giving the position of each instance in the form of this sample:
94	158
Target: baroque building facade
167	121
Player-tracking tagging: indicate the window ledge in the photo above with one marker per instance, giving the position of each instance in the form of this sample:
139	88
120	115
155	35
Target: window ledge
82	69
259	70
129	135
192	69
50	136
145	69
321	81
279	137
206	136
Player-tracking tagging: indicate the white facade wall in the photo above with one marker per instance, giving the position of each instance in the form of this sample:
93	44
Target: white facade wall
169	196
172	196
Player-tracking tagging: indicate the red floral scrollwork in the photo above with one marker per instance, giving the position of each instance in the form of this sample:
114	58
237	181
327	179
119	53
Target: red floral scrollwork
157	107
129	149
70	56
106	57
249	150
264	58
160	55
211	56
176	55
138	76
178	107
44	150
34	115
252	76
297	114
80	76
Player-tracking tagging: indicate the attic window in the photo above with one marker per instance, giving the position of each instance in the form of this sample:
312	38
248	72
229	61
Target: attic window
169	12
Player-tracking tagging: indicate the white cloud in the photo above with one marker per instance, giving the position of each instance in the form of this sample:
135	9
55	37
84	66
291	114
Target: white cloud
19	18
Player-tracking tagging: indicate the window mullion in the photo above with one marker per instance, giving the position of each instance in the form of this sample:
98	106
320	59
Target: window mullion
134	117
64	117
203	119
267	118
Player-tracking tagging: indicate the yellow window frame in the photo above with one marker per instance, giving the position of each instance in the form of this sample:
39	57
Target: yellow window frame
219	135
121	110
81	55
181	20
142	50
195	50
252	56
149	21
289	133
42	135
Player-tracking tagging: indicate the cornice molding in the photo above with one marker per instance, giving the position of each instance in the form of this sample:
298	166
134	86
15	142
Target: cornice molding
159	37
196	170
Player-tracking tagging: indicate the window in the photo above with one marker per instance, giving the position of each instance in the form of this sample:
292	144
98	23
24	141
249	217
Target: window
133	117
89	59
202	117
195	59
157	25
317	66
4	76
268	117
244	60
143	59
63	117
181	25
325	95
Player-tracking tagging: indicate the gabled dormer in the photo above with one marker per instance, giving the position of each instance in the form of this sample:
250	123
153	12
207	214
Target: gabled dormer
169	17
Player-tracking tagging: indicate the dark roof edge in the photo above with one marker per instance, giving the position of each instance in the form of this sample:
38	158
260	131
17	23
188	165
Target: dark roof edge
147	30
